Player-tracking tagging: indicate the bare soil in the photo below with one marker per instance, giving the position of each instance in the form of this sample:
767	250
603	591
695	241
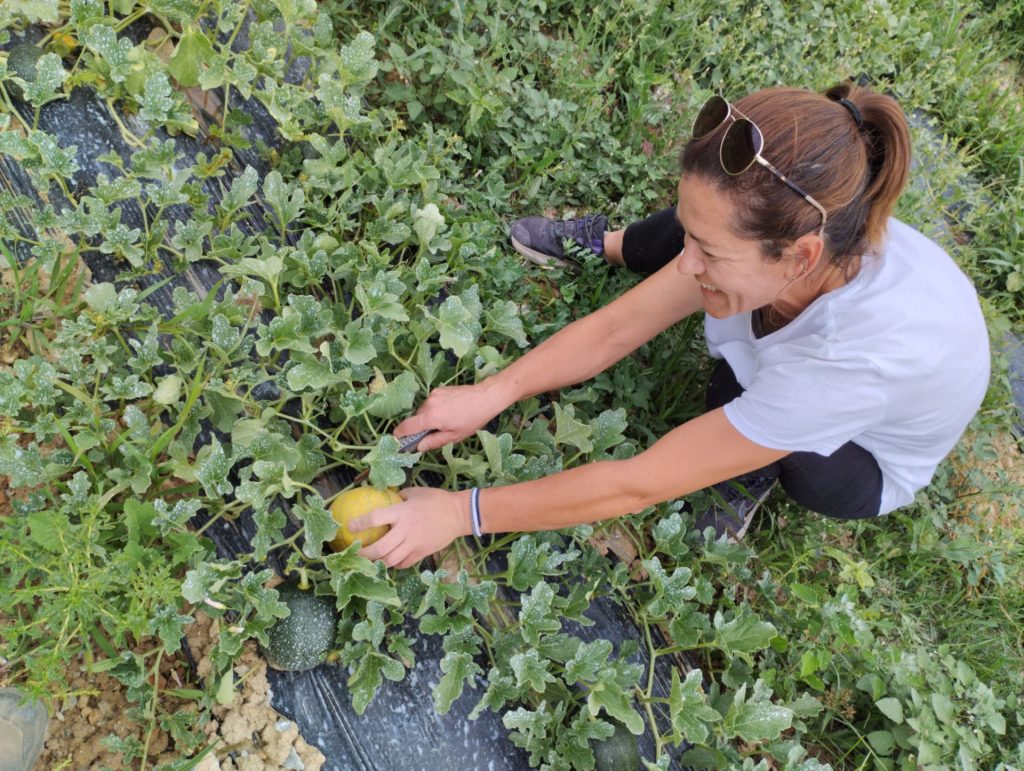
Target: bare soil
247	735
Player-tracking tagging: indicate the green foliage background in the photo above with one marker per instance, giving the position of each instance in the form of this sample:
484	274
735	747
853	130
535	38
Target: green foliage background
413	133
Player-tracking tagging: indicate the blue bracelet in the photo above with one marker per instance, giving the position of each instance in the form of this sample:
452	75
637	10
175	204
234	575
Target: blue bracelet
474	510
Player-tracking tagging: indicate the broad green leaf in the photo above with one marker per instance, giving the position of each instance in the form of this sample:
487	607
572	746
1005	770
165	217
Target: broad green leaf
529	729
589	659
427	222
498	451
892	708
124	242
212	468
457	324
531	670
358	343
191	54
372	628
669	535
394	398
320	526
84	10
138	519
344	107
50	76
52	159
47	529
226	689
670	591
744	634
367	675
387	464
243	187
608	695
270	523
286	199
208	579
354	576
295	10
758	718
458	667
536	617
32	11
101	297
356	64
503	317
608	429
169	626
690	711
376	298
157	102
882	742
570	431
501	689
216	73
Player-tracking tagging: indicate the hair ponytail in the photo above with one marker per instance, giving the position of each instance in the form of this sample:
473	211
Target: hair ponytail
887	136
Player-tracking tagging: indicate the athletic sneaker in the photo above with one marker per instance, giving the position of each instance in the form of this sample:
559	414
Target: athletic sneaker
539	239
742	497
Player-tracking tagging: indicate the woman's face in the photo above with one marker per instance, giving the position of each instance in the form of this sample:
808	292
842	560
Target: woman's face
733	276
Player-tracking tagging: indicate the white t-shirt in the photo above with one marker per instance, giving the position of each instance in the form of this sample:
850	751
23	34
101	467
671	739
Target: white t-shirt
896	361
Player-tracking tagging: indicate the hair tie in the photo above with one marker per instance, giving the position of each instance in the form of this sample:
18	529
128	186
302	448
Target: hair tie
857	117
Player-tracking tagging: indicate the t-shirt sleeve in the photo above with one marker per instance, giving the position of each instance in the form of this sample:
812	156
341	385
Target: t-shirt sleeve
811	404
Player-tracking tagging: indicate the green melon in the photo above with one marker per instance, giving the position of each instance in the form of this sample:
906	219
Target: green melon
303	639
619	752
21	61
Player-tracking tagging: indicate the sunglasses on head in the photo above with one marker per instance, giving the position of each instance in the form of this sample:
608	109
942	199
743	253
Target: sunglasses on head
742	144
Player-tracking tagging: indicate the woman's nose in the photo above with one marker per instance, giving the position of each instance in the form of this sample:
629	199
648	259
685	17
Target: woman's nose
689	264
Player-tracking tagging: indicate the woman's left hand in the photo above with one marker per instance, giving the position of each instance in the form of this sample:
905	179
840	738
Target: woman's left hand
424	522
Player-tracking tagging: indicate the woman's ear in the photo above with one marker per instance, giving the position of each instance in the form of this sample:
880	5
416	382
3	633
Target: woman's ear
805	255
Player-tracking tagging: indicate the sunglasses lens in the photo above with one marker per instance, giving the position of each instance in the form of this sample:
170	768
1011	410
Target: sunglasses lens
740	145
712	115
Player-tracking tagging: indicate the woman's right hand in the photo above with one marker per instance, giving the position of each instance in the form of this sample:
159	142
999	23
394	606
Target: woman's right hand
454	412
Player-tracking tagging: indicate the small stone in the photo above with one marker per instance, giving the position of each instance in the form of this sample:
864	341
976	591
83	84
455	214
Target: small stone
293	761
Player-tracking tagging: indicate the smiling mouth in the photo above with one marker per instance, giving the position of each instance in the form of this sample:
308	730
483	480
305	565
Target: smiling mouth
708	287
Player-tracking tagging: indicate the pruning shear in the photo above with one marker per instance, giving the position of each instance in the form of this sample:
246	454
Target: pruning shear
405	444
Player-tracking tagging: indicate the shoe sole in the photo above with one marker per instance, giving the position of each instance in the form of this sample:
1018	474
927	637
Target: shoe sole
541	259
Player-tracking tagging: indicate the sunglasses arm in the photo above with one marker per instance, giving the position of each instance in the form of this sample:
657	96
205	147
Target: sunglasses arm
796	189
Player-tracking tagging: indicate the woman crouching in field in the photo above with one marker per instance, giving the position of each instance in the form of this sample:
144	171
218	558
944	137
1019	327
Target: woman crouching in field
852	350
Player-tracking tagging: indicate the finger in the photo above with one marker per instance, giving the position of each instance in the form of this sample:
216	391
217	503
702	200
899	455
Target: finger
382	548
410	560
395	554
385	516
412	425
437	439
402	557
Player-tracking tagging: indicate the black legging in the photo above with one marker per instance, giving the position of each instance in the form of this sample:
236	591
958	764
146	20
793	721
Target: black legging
846	484
651	243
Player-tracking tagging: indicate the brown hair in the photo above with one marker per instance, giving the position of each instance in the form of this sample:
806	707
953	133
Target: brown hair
855	171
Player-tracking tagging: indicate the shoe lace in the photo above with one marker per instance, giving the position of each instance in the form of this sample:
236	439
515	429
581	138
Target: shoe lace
587	230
